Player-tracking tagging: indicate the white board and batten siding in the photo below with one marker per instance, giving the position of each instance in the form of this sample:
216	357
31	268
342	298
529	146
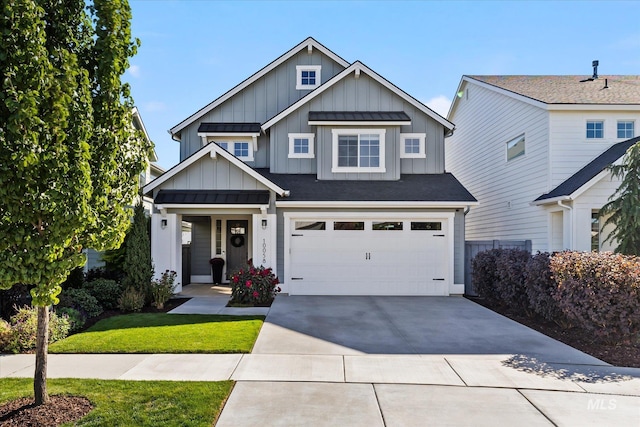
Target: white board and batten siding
476	155
330	261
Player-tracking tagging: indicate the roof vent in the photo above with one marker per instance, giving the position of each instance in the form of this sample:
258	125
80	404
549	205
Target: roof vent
594	64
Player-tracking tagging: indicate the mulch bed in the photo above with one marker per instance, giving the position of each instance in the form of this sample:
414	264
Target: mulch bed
62	409
618	354
59	410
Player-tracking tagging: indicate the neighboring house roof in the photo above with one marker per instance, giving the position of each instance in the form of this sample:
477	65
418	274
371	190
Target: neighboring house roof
229	127
308	44
214	197
584	176
212	149
443	188
358	67
359	116
610	90
139	124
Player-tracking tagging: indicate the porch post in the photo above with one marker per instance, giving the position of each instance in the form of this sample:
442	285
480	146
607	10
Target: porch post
264	240
166	244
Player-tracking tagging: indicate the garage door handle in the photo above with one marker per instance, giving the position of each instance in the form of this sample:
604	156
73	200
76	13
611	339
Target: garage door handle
297	235
300	278
438	279
438	235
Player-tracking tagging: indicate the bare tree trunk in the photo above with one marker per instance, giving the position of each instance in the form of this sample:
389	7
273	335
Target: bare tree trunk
42	347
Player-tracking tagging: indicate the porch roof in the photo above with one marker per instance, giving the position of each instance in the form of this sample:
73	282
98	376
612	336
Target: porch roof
212	197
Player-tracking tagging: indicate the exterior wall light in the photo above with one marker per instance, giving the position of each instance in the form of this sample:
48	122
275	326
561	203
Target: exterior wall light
264	224
163	223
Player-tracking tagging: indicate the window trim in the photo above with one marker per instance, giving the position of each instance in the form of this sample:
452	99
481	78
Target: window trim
310	137
421	154
336	133
300	69
633	128
516	140
586	131
231	145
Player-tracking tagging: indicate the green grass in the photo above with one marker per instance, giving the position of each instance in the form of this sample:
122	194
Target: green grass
134	403
165	333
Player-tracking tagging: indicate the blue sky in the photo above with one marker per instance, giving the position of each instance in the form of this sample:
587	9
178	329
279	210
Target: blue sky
194	51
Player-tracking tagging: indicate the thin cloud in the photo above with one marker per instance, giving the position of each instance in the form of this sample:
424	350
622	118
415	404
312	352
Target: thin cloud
440	104
134	70
155	106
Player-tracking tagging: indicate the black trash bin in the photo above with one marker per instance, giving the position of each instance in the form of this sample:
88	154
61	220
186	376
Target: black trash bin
216	268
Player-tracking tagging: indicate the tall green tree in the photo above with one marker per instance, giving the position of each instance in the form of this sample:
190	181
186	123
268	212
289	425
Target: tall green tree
137	267
69	154
623	208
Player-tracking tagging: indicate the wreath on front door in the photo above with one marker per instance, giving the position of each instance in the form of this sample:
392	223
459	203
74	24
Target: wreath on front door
237	241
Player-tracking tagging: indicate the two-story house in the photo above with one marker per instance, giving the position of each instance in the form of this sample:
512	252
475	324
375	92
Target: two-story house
323	170
534	150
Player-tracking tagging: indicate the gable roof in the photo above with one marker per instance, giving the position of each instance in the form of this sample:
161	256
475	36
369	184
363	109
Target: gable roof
441	188
212	149
358	67
569	187
309	43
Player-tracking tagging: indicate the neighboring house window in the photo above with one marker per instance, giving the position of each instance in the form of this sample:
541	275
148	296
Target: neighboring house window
515	148
412	145
301	145
595	129
358	150
625	129
308	76
241	149
595	231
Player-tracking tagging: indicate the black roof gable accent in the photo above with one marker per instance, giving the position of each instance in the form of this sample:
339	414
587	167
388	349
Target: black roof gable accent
229	127
358	116
593	168
212	197
442	187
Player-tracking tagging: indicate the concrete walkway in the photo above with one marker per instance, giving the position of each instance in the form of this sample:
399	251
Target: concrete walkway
341	382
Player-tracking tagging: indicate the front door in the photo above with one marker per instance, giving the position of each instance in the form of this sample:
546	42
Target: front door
237	235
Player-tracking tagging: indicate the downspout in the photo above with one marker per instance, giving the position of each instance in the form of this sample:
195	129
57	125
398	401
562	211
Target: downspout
570	209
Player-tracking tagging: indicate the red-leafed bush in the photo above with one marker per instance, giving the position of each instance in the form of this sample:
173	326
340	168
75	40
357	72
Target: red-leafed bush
540	287
599	292
484	274
253	285
511	265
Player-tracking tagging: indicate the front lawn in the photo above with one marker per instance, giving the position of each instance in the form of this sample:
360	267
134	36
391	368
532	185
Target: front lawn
134	403
165	333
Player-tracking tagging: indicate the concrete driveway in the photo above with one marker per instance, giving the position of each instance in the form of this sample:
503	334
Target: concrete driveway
415	361
402	325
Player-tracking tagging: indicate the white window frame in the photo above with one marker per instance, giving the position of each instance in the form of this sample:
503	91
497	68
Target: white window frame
633	130
308	136
336	133
516	140
300	69
421	154
586	130
231	145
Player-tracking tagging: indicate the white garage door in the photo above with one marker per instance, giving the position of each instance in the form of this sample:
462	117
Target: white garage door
369	257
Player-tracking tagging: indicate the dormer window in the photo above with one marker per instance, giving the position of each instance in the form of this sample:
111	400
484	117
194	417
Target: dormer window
307	77
301	145
241	149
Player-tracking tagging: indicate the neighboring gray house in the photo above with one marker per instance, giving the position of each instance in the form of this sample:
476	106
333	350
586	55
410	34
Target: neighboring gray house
323	170
534	150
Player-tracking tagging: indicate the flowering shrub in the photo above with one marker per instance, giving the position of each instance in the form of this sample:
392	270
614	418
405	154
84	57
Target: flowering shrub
24	325
162	289
600	292
254	285
5	334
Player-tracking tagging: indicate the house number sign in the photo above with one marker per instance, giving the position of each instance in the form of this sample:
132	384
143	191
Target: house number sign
264	251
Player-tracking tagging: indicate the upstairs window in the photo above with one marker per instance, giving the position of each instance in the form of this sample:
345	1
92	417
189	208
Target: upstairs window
301	145
515	148
595	129
626	129
412	145
308	77
358	150
241	149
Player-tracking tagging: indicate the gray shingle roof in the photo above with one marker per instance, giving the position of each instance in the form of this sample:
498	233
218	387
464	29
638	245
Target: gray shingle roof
410	188
570	89
358	116
593	168
212	197
229	127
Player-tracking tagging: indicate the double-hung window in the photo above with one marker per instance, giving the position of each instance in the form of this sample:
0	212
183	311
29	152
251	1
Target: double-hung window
301	145
625	129
358	150
308	76
412	145
595	129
